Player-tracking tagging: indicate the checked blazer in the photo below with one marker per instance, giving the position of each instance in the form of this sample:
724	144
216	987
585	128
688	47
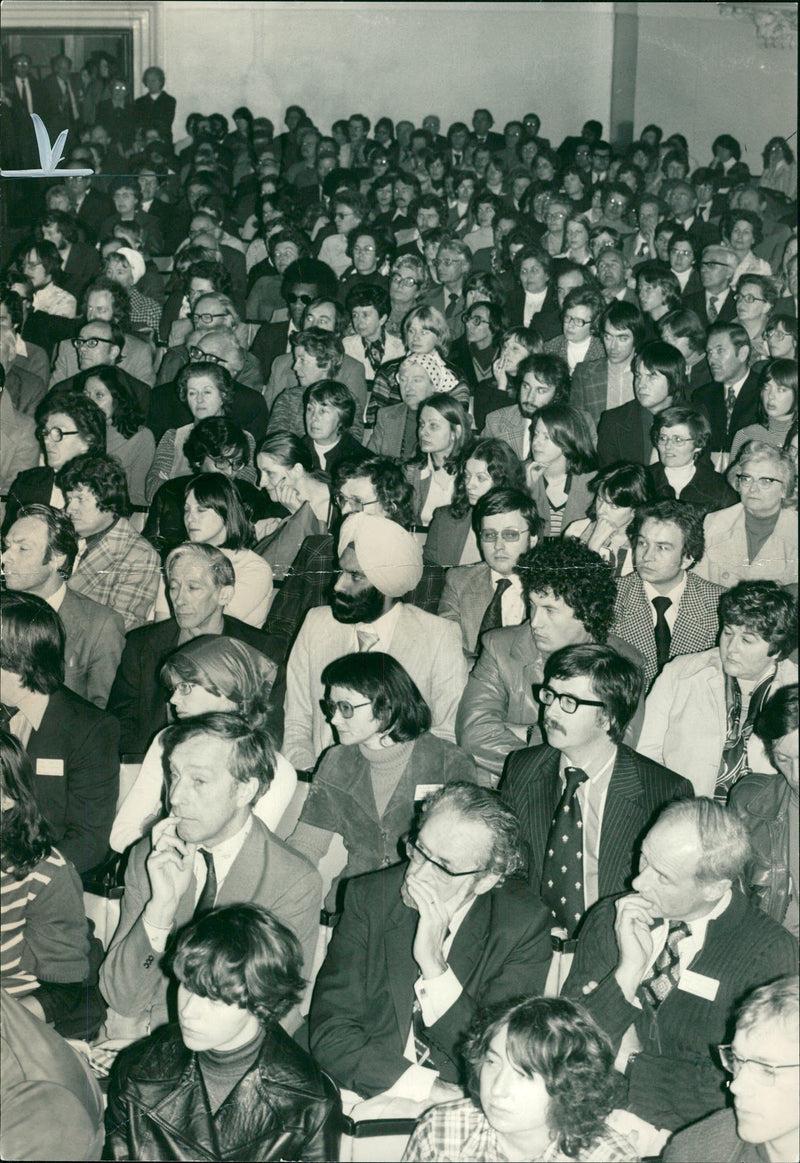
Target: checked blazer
510	425
121	570
638	788
696	625
589	390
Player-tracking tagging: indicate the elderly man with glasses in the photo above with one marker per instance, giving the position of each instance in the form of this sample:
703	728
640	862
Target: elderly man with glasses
100	344
420	946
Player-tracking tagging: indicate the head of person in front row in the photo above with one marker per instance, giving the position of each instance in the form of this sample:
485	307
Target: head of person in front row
239	972
570	591
542	1083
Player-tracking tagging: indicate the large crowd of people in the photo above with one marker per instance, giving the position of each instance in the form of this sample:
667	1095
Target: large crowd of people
399	618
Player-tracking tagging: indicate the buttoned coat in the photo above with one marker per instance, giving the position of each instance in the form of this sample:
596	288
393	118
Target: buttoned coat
696	623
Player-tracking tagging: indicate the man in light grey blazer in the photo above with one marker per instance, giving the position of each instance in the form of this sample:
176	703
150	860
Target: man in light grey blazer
489	595
38	554
378	562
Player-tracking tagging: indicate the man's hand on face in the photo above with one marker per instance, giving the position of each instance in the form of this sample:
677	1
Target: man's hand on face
634	916
434	921
169	868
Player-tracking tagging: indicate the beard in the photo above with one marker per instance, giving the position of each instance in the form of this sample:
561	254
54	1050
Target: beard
364	607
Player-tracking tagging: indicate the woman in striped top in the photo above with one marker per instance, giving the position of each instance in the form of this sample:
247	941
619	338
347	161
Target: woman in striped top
44	938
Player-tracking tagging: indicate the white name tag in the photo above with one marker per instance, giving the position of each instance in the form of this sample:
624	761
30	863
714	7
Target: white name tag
423	790
49	766
698	984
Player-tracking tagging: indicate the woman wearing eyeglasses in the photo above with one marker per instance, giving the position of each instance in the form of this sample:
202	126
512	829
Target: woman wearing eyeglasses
408	283
386	760
756	296
208	673
681	437
776	418
67	425
757	538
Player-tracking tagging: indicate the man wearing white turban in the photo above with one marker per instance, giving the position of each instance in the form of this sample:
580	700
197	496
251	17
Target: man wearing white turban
379	561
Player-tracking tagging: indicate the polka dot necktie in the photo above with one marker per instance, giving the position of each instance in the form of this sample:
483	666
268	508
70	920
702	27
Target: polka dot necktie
562	874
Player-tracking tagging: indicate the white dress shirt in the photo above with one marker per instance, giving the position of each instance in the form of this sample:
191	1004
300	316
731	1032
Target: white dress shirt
533	305
675	595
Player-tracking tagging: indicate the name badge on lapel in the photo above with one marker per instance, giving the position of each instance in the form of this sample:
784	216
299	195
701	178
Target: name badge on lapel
699	985
423	790
50	767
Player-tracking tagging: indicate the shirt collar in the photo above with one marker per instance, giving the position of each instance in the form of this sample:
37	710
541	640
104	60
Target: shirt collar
737	384
226	852
55	600
33	705
384	626
516	584
20	345
699	925
675	594
597	773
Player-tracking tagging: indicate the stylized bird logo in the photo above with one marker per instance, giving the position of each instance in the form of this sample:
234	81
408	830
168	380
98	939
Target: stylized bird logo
48	156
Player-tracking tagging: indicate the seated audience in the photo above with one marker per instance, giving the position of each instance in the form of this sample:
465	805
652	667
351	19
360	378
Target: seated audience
765	1120
578	342
127	438
44	929
395	431
443	437
742	230
365	790
562	460
67	425
200	582
226	1066
426	331
776	417
618	492
379	562
115	565
569	591
715	303
602	384
659	382
330	412
368	306
488	595
700	713
211	849
664	609
631	968
207	673
681	437
39	552
105	302
768	807
451	540
542	1084
731	401
72	745
454	913
758	537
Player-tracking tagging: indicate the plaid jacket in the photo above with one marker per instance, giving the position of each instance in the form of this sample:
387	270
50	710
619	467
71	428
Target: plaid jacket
589	390
121	571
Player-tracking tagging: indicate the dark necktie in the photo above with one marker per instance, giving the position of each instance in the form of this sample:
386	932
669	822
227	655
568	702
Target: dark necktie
493	615
562	871
205	902
7	713
730	404
408	445
452	301
712	310
662	631
664	975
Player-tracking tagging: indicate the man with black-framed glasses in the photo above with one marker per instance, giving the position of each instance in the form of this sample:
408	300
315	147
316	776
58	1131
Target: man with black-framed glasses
100	344
423	944
584	797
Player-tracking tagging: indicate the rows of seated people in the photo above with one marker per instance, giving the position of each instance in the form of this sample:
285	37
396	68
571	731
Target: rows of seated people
399	620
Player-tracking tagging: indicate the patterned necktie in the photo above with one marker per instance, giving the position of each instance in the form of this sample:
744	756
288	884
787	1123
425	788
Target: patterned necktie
374	352
205	902
712	310
662	632
562	872
366	640
733	764
421	1047
493	615
665	972
730	404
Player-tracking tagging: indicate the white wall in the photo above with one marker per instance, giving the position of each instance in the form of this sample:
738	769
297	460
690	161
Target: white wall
703	74
404	60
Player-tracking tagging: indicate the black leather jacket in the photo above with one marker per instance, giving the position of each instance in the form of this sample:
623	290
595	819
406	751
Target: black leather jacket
763	802
283	1108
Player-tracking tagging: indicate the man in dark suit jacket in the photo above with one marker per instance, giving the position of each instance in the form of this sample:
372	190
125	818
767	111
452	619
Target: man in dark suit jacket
692	861
482	122
22	95
691	612
59	102
716	268
623	433
91	207
728	350
72	745
422	945
200	586
622	789
157	109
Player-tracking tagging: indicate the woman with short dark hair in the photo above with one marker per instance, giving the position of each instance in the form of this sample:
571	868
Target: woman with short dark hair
330	410
618	493
542	1086
366	787
681	436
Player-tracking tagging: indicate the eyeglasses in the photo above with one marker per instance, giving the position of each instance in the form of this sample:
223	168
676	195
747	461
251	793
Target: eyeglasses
208	317
304	299
682	253
490	536
741	297
229	462
745	481
197	355
405	280
767	1072
576	321
617	202
184	689
415	854
678	441
91	343
568	703
331	706
56	434
28	265
447	262
354	503
467	318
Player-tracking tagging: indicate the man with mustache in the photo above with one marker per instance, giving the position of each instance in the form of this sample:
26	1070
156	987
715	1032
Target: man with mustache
378	562
584	798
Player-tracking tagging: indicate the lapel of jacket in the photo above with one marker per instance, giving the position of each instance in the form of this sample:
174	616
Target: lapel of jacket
398	938
469	942
184	1111
695	620
543	793
623	818
635	620
478	593
524	649
516	426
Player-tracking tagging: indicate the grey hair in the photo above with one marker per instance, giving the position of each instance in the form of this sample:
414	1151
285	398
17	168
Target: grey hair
209	556
723	839
481	804
761	450
779	1000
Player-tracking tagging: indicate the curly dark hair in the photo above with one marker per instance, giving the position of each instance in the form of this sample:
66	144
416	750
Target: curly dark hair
26	838
127	416
216	436
556	1039
102	475
83	412
502	464
763	608
576	574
